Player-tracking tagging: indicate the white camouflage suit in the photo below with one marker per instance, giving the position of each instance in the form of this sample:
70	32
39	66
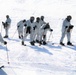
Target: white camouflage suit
64	31
28	23
38	30
20	26
8	21
43	32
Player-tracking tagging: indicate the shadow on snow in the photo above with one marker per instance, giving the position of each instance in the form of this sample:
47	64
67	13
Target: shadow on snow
13	39
72	47
41	49
54	46
3	48
2	72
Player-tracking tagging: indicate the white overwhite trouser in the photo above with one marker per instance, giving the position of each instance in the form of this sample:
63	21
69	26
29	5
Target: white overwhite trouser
42	34
68	36
6	30
38	31
36	34
31	35
20	26
20	32
65	27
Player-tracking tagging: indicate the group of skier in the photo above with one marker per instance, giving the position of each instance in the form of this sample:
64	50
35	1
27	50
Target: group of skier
37	30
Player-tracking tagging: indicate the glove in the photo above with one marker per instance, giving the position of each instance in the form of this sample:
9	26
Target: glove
3	24
34	27
71	27
25	25
5	42
6	23
51	30
18	26
28	30
66	26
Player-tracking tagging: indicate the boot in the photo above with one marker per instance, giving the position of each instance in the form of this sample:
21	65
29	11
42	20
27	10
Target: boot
37	41
32	43
23	43
5	42
62	44
19	37
40	43
44	43
6	36
69	43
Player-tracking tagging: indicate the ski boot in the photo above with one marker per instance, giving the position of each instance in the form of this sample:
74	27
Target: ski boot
62	44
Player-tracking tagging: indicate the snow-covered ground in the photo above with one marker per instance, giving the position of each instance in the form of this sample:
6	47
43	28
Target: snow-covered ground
38	60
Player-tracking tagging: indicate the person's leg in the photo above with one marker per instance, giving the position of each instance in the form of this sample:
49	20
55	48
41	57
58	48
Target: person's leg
23	39
6	33
32	38
69	38
62	38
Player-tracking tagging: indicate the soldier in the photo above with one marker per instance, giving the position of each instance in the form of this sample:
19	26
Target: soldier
20	26
44	28
29	30
6	25
66	30
36	29
41	22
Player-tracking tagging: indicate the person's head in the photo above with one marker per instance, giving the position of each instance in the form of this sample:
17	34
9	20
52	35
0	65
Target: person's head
42	18
32	18
24	20
69	18
37	19
7	16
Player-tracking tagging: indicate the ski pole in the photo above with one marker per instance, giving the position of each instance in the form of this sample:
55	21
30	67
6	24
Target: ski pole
7	55
49	38
50	35
14	33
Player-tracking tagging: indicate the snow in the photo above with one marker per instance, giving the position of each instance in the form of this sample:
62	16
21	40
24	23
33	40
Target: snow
38	60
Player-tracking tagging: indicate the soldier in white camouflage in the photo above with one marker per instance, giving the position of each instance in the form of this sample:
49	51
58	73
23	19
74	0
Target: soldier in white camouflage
66	30
20	27
6	25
